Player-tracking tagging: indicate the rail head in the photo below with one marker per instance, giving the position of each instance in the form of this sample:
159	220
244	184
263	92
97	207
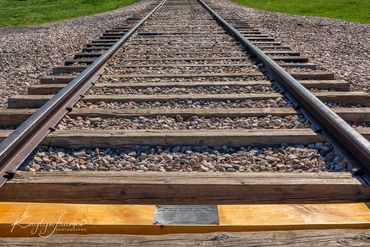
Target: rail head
24	139
339	131
17	147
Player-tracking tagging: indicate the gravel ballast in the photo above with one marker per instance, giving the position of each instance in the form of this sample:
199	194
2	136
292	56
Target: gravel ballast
181	104
245	77
334	45
26	54
182	90
316	157
299	158
178	123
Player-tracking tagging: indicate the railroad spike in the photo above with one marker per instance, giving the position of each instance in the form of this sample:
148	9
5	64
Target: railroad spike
9	175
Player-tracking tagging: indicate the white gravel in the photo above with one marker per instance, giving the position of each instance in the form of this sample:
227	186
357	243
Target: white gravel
182	70
182	90
172	104
296	32
26	54
179	123
299	158
334	45
246	77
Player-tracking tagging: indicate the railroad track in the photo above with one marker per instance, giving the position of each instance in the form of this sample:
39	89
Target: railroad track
180	80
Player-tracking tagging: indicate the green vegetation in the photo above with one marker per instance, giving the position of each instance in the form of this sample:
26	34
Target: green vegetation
350	10
33	12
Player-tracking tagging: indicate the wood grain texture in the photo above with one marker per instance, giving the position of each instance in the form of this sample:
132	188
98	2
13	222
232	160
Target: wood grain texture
122	138
34	101
320	84
16	116
179	188
305	238
138	219
297	75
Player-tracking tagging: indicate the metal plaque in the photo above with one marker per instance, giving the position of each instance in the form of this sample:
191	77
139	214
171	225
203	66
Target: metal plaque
186	214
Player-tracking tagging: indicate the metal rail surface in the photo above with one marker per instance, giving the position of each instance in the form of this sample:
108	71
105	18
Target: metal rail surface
345	135
16	148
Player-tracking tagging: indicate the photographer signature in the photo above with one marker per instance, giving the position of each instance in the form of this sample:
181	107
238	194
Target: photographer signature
46	229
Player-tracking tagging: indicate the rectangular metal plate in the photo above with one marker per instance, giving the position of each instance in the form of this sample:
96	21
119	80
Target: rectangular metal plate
186	215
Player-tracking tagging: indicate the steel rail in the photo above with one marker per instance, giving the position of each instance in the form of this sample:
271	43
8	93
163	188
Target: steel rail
23	140
338	129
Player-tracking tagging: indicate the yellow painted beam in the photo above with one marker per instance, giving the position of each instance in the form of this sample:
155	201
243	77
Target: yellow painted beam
44	219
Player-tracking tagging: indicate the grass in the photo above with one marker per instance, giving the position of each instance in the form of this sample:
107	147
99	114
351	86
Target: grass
34	12
349	10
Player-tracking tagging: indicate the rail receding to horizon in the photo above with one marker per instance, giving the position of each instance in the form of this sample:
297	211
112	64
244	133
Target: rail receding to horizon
187	104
